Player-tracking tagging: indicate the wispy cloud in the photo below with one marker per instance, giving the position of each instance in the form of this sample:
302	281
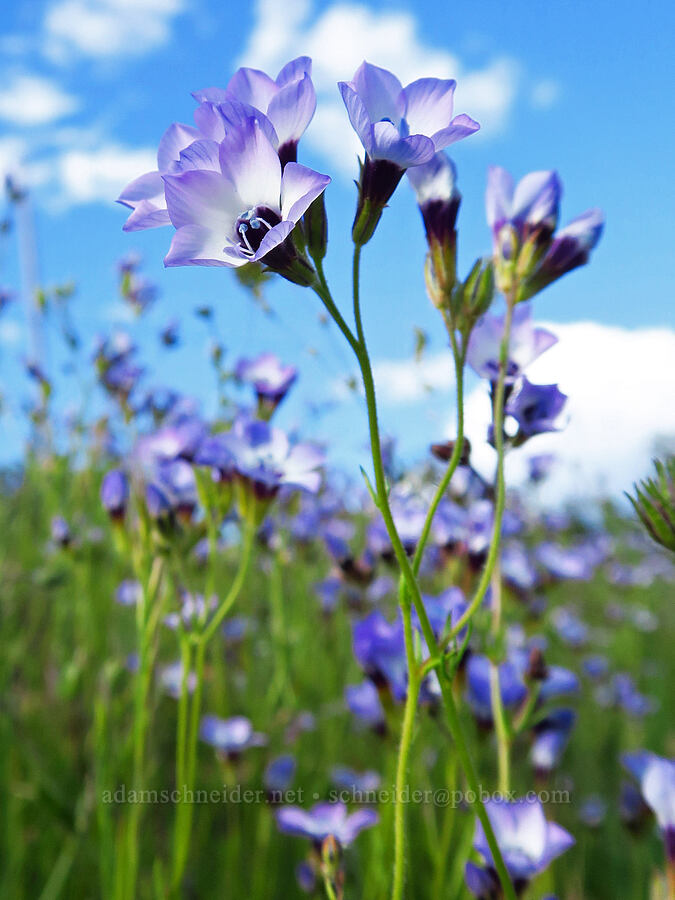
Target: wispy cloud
616	381
401	382
27	100
342	35
108	28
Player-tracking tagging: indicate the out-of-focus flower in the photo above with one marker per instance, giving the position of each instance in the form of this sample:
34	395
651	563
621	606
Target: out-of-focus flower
551	736
566	563
364	702
358	783
262	458
399	128
169	335
279	773
379	648
528	842
171	679
230	736
592	811
60	531
526	343
287	102
129	592
536	408
656	776
270	379
115	494
511	684
523	219
324	820
540	466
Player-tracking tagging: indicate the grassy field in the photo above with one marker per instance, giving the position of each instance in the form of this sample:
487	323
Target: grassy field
67	689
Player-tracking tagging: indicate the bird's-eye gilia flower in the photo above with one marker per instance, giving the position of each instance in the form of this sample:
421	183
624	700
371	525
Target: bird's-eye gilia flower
115	493
523	218
230	736
325	820
145	194
656	776
536	408
243	212
271	380
528	842
526	343
287	102
435	186
363	700
399	128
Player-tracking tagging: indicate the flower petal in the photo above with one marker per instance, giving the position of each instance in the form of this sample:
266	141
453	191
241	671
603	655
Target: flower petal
299	187
429	103
461	126
358	115
145	187
176	138
295	70
203	198
195	245
536	198
381	93
250	161
498	196
147	214
291	109
253	87
405	152
272	239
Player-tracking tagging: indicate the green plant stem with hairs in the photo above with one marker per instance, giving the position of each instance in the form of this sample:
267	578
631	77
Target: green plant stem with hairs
358	343
188	754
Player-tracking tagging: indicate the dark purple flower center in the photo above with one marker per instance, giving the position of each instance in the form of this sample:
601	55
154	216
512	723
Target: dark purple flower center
253	225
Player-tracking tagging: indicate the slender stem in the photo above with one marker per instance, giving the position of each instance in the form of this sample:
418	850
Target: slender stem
183	822
405	745
501	729
408	574
144	620
458	357
500	498
472	780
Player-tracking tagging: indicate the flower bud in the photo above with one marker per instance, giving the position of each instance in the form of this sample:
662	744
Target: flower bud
316	228
115	494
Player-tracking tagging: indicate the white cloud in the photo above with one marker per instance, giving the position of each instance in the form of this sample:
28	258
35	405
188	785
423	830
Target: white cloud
33	100
620	385
545	93
11	333
87	176
108	28
344	34
408	381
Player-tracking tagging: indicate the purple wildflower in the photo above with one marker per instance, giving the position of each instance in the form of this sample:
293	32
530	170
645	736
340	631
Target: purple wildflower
230	736
527	841
270	379
287	102
242	209
115	494
526	344
399	128
536	408
324	820
656	776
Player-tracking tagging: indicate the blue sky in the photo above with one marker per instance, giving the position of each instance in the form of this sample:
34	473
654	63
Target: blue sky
90	85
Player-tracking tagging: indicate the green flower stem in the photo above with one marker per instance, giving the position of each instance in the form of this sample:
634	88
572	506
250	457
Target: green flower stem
500	494
183	824
501	730
144	627
458	356
407	730
359	347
